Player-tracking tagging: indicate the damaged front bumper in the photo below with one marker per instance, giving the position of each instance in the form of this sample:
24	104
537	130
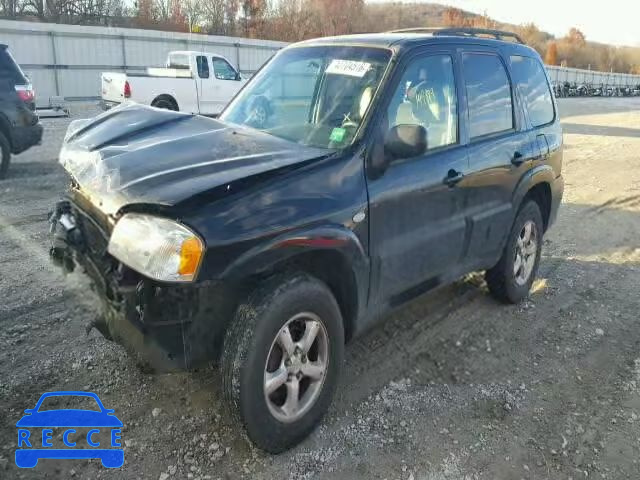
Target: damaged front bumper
164	326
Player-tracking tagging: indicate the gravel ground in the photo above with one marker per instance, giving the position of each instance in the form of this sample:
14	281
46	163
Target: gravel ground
453	386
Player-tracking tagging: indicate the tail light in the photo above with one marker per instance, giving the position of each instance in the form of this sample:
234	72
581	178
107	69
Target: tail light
127	89
26	93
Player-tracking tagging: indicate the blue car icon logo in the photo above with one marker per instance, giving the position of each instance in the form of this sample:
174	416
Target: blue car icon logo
101	422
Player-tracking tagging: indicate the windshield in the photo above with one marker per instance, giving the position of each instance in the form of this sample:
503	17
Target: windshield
315	96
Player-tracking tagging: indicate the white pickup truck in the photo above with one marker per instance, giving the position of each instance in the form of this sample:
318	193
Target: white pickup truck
195	82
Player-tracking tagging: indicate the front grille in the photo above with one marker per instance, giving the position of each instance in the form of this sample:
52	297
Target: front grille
93	226
95	240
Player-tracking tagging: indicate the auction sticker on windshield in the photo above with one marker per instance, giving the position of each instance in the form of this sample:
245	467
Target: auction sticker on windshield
348	67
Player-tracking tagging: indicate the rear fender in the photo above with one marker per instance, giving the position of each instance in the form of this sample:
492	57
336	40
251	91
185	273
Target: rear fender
535	176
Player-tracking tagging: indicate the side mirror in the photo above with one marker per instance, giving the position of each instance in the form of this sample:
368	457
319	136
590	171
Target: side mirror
405	141
238	77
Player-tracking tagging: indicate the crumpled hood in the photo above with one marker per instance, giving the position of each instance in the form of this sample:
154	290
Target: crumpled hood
140	154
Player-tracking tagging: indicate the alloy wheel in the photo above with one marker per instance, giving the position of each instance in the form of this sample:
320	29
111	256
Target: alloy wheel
525	252
296	367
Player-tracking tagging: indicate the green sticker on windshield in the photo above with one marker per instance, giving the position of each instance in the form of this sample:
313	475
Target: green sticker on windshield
337	134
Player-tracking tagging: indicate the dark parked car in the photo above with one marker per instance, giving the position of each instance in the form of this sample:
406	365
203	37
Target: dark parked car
388	165
20	128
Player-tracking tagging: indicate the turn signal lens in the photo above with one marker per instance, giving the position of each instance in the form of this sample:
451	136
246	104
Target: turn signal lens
190	254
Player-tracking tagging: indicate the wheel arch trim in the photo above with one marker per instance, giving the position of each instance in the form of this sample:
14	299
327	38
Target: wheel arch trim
285	249
535	176
168	97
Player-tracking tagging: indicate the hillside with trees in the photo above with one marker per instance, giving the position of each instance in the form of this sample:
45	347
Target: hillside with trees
293	20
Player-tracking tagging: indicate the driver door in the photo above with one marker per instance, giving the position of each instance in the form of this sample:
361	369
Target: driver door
226	82
417	220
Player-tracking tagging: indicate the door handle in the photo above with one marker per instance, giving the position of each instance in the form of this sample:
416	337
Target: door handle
452	178
517	159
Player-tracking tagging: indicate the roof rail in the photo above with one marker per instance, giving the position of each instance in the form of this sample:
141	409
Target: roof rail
462	32
476	32
416	30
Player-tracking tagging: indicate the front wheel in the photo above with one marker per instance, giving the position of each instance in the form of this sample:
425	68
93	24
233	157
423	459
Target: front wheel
281	360
511	279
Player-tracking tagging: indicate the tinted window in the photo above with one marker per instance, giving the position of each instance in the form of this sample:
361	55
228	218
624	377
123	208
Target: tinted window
203	66
9	70
426	95
528	75
222	69
488	94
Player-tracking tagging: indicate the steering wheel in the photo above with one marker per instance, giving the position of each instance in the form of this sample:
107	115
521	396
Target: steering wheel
259	113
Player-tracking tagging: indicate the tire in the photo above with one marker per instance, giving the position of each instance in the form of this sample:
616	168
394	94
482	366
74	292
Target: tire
5	150
166	103
506	281
252	349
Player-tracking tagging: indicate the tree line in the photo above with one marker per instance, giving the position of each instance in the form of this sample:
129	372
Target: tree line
293	20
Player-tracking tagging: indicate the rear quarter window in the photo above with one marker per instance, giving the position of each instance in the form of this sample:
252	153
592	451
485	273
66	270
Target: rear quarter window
178	61
9	69
203	66
531	81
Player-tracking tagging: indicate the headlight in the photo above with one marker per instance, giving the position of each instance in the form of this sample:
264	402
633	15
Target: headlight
157	247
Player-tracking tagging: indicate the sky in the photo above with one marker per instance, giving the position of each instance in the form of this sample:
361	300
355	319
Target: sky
612	21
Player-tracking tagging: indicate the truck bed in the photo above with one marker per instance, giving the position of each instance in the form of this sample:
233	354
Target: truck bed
147	87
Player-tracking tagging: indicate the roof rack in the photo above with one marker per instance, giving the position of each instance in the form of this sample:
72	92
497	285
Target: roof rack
462	32
416	30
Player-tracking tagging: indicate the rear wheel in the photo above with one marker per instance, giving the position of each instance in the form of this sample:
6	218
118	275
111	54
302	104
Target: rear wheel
281	360
167	103
511	279
6	155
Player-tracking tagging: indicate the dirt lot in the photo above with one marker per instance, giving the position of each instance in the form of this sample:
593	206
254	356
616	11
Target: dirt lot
454	386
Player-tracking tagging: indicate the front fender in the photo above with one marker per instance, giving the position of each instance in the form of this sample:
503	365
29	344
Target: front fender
286	247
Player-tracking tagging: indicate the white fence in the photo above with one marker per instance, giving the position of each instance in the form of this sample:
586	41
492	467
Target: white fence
66	60
560	75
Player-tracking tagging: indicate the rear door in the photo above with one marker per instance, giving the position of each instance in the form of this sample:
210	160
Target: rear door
533	86
205	85
500	149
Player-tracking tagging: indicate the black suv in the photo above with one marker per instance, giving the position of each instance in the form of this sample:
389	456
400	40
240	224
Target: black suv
384	166
19	125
